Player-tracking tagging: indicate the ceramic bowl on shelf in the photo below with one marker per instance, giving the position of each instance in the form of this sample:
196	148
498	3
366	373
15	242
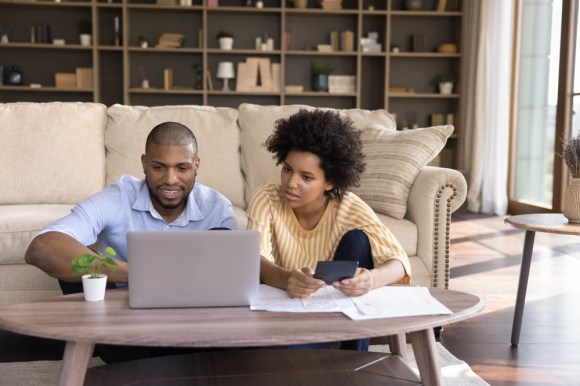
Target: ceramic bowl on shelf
447	48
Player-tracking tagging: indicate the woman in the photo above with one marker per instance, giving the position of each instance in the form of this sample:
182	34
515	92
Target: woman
311	216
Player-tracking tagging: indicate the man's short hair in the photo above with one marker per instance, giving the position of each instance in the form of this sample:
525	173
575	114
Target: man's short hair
171	134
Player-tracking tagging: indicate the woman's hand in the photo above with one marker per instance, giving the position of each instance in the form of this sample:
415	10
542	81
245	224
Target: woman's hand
360	284
301	283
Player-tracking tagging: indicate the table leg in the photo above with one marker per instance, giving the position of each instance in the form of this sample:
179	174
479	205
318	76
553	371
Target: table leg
427	357
75	362
523	286
398	345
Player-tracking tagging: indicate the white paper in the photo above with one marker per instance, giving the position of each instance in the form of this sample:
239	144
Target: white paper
385	302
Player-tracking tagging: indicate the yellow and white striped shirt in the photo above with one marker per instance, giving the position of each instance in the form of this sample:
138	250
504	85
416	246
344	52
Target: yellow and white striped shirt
287	244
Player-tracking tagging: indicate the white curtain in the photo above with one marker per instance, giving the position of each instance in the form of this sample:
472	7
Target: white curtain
487	53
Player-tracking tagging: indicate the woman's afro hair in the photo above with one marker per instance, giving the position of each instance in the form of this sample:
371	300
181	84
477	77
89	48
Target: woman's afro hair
328	135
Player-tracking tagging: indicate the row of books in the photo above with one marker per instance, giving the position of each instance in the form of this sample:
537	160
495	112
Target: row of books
342	40
81	78
442	119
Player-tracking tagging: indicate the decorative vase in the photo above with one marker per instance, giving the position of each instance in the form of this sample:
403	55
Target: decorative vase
14	77
320	82
94	287
571	206
300	3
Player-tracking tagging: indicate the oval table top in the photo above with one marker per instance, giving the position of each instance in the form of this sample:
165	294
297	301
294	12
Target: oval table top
111	321
544	222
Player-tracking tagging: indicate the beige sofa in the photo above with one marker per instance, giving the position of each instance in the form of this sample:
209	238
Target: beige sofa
53	155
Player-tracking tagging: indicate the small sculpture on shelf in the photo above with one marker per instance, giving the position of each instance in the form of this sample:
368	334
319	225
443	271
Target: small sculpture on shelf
198	73
5	28
144	80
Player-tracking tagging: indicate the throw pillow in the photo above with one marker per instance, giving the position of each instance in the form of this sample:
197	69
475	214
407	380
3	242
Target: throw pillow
393	160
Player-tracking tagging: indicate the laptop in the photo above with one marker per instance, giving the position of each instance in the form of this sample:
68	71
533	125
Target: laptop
218	268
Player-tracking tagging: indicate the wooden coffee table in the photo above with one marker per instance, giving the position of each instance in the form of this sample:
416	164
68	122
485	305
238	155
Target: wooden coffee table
83	324
532	223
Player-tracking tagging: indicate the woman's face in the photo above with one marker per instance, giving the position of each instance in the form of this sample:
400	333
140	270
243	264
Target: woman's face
303	181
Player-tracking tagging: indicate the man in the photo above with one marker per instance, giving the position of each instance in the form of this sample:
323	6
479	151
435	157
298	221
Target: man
166	199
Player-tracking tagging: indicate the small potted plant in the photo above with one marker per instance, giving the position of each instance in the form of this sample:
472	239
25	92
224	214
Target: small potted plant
143	42
445	82
571	156
395	48
85	29
225	40
95	281
320	73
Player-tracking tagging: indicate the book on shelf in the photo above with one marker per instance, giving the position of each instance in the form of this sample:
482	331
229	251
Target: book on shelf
442	119
168	78
258	75
347	41
65	80
208	80
84	77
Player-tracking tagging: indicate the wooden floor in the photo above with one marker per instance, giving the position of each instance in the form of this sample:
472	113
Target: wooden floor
486	255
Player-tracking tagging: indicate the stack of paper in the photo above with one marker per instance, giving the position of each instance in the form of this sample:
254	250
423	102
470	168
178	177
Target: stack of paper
384	302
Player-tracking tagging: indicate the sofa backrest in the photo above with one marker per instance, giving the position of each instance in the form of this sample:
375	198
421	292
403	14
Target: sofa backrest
257	123
216	131
52	153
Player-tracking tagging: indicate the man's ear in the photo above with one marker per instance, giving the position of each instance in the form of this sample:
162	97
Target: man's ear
197	162
144	163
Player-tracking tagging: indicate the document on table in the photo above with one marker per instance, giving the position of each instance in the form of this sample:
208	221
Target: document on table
384	302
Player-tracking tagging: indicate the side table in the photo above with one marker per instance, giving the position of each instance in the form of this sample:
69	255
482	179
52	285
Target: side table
532	223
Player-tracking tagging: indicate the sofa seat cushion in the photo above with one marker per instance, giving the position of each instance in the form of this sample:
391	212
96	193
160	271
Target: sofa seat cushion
216	131
257	123
20	223
55	152
25	283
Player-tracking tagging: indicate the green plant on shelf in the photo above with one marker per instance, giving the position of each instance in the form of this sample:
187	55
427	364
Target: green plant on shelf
85	27
224	34
445	78
321	69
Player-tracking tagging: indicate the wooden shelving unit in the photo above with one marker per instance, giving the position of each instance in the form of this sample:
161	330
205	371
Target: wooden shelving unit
117	69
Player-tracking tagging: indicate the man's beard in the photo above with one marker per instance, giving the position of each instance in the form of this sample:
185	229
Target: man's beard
156	198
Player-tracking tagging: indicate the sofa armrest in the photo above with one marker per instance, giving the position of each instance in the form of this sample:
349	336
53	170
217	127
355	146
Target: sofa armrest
434	196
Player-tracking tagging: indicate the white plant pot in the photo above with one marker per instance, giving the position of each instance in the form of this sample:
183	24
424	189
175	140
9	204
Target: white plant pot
226	43
446	88
94	288
85	39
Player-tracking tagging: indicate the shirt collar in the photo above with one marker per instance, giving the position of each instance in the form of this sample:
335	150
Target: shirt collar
143	203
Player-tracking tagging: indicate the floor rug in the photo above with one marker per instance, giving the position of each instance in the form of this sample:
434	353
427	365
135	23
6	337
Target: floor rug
46	373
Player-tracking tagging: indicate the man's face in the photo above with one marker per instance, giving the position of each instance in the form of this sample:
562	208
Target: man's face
170	174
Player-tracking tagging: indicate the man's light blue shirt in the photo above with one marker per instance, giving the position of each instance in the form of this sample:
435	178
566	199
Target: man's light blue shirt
126	206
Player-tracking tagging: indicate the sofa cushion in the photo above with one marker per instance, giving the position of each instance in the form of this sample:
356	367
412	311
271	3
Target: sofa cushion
68	161
393	160
257	123
20	223
216	130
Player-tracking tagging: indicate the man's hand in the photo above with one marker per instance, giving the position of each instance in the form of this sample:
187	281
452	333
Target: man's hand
301	283
360	284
